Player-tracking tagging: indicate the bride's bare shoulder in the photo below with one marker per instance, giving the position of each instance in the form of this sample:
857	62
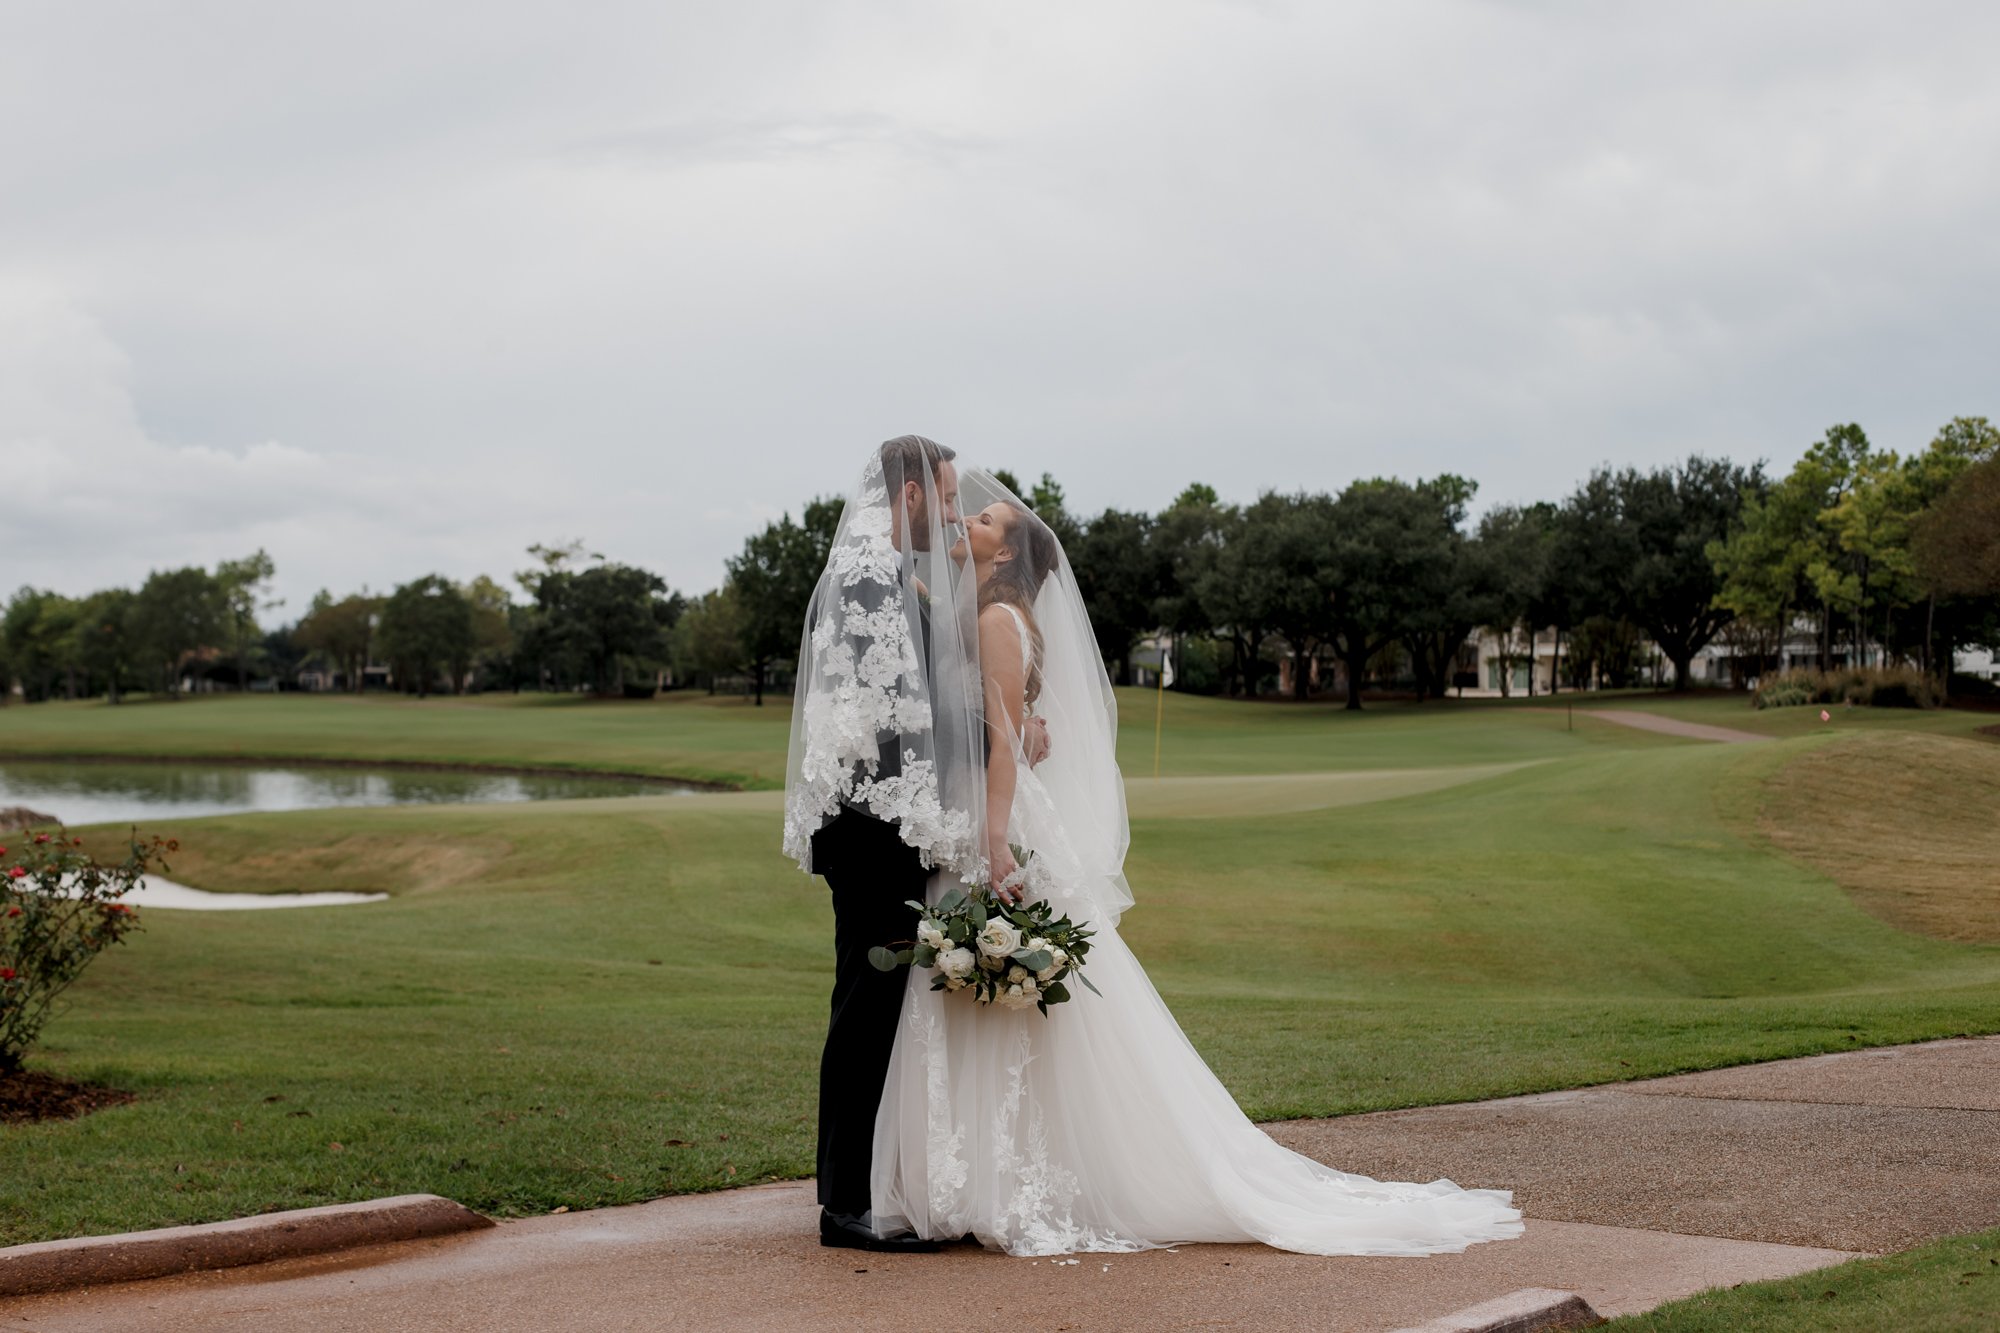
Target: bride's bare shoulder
998	628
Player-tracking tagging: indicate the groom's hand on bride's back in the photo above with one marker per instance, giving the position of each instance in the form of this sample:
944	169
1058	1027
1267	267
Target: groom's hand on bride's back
1035	740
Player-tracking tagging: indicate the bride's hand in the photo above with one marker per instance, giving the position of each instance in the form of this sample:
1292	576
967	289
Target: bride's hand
1035	739
1000	862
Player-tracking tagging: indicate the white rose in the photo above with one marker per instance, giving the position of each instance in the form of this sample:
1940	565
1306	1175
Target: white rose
1017	974
1013	998
929	933
1037	943
998	939
956	963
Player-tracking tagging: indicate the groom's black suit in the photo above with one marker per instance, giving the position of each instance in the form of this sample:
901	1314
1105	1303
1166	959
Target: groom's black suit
871	871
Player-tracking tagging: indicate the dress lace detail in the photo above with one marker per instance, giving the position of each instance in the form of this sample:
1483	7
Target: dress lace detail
944	1168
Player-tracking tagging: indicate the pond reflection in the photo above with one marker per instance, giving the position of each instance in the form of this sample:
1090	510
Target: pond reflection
98	793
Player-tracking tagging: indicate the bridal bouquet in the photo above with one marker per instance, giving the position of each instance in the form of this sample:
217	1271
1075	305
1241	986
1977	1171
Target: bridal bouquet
1010	955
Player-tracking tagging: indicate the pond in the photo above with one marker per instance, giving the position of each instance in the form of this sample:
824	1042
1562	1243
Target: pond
91	792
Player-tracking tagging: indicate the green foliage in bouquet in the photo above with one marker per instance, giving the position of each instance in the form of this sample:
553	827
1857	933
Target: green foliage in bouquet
1011	955
58	909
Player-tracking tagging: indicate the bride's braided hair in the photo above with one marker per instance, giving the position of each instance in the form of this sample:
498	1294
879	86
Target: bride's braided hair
1018	581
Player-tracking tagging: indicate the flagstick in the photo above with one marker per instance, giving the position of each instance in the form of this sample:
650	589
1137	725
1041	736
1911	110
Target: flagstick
1159	713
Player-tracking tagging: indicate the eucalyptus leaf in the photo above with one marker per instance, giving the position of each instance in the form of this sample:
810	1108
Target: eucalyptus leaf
882	958
1086	981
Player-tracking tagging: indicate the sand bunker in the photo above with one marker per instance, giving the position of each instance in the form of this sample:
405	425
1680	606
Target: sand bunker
153	891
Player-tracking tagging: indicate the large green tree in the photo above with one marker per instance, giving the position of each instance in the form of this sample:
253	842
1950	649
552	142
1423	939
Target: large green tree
606	618
772	582
1511	560
1645	538
1119	582
426	628
708	642
1231	593
492	627
1274	576
1391	560
35	639
105	643
1452	595
341	633
178	613
244	586
1186	538
1956	547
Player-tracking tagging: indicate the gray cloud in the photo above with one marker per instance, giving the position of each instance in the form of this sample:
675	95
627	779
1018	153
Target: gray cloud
387	290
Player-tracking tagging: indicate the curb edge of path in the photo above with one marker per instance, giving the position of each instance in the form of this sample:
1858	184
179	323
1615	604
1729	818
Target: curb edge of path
86	1261
1529	1310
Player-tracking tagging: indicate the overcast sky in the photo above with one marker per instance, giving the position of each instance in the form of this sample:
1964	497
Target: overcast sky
394	288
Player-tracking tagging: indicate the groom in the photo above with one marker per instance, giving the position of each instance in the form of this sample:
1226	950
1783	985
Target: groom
871	872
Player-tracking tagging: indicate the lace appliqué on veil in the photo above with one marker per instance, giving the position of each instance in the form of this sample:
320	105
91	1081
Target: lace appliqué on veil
870	682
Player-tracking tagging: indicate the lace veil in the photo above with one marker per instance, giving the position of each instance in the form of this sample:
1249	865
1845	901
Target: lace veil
887	715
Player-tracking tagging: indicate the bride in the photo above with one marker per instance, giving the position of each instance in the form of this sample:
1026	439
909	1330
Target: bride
1095	1127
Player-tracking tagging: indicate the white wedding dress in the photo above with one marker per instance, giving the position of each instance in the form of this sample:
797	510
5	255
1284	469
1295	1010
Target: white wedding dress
1098	1127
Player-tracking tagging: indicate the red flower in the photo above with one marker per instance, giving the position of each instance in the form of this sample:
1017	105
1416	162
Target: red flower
41	837
6	974
76	842
17	872
13	911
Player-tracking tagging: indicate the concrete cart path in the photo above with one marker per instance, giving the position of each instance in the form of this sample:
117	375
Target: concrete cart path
1670	726
1637	1193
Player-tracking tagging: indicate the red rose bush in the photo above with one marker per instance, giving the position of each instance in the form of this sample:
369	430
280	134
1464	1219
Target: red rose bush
59	908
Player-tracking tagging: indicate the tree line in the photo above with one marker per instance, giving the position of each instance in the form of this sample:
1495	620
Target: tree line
1881	558
1885	558
587	623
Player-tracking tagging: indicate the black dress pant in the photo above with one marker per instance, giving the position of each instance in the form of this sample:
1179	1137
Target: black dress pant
871	872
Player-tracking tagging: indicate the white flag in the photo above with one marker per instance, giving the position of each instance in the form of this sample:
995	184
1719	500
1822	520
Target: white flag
1166	671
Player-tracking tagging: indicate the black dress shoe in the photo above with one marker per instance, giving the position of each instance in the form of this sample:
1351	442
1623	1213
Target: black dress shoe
847	1232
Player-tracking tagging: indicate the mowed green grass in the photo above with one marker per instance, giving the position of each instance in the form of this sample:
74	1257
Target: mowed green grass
593	1002
721	739
1947	1286
730	741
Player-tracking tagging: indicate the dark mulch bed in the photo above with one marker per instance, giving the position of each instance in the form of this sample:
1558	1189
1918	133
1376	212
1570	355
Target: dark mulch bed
27	1096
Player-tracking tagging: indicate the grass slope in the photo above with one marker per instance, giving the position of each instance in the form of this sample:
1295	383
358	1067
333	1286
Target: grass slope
1920	849
594	1002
